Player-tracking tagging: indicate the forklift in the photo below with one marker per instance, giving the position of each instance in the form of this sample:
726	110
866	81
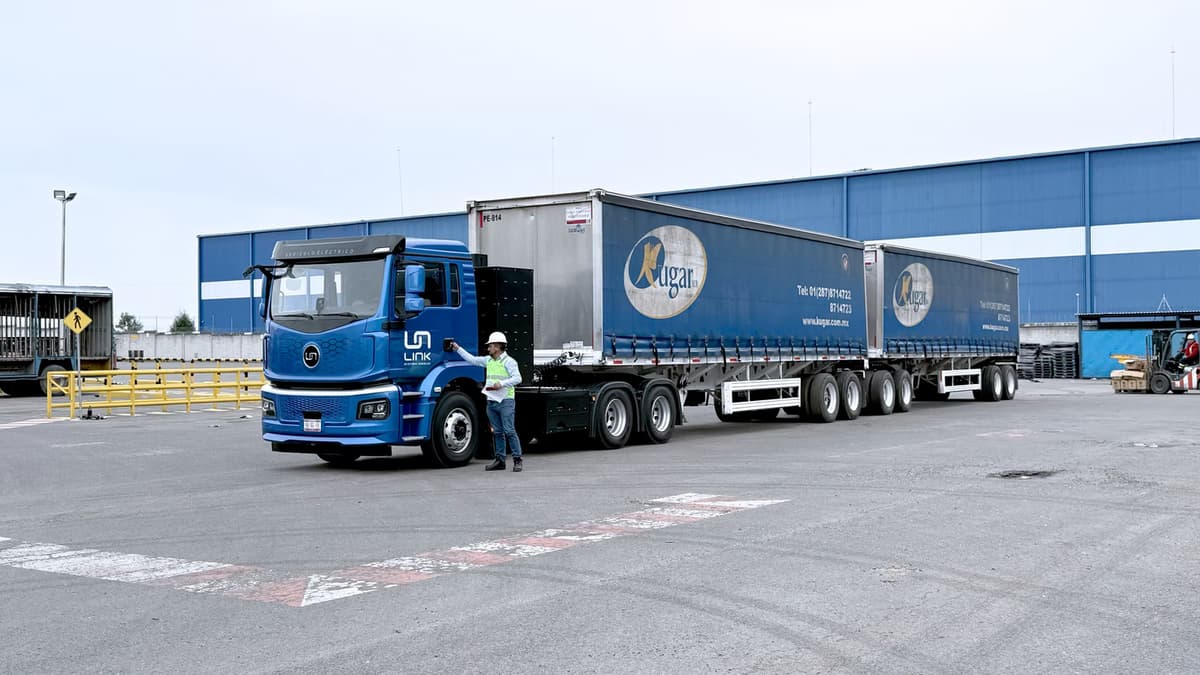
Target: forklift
1162	369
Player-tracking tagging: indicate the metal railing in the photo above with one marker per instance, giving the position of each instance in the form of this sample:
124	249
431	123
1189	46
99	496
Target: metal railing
161	388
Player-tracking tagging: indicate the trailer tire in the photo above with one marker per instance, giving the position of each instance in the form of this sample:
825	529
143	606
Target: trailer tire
883	392
343	460
1009	374
904	390
658	414
40	387
1160	383
454	432
991	385
850	394
613	419
822	397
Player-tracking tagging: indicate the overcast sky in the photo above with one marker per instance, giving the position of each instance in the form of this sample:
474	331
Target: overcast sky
173	119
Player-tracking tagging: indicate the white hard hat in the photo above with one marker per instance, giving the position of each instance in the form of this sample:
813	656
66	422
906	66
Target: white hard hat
1191	336
497	337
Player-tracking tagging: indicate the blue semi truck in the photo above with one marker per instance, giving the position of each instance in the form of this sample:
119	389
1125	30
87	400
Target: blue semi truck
620	312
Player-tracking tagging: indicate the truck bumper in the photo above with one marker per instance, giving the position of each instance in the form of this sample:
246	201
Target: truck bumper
312	418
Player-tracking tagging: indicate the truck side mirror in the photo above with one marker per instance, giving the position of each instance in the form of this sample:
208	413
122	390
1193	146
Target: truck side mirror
408	298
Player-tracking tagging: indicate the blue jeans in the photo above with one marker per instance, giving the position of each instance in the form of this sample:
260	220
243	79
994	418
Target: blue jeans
503	416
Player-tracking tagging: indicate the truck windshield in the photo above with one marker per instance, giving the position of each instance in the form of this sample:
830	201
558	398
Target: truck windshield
336	288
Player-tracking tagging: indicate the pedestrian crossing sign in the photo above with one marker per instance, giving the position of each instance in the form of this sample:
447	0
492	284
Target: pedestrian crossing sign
77	320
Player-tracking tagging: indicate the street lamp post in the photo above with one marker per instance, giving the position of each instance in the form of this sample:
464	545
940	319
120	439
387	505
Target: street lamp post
64	197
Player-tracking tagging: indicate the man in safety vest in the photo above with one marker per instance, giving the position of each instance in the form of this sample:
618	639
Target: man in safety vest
501	378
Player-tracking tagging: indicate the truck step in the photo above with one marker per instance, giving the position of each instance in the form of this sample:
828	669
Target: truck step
413	439
411	394
413	416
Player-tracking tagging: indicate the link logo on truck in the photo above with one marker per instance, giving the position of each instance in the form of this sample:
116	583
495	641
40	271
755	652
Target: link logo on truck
665	271
913	295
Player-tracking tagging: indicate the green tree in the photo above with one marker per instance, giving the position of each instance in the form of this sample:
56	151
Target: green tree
128	323
183	323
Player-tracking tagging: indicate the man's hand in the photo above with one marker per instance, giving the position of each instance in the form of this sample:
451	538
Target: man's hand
453	345
493	386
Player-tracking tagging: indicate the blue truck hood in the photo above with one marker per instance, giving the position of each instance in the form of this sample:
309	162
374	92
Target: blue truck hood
346	354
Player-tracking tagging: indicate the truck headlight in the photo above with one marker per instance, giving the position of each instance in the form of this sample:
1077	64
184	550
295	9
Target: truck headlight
374	410
268	407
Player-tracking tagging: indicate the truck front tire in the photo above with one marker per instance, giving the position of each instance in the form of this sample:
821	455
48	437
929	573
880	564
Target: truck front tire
454	433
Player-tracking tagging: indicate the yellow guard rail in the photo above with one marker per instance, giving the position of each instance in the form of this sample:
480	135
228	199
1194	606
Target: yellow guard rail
160	388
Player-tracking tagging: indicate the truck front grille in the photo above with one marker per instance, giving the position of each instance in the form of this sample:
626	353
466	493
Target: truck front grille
332	408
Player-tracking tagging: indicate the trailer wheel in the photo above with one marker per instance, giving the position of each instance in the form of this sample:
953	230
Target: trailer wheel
883	392
904	390
613	417
40	387
991	385
822	399
658	415
1160	383
1009	375
454	434
850	393
339	460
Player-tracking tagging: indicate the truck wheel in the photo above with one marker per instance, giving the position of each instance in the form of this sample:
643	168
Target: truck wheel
883	392
904	390
1009	375
822	399
339	460
991	385
850	393
658	415
613	419
40	387
1160	383
454	434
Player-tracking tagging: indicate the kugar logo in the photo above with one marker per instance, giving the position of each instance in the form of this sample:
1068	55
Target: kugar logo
913	295
665	271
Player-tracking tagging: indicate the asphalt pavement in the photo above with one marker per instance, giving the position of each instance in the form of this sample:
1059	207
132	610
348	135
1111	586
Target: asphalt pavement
1055	533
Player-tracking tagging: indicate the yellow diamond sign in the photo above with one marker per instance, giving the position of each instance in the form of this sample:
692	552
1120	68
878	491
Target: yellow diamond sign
77	320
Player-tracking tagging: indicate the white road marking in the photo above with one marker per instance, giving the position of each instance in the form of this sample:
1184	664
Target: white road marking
263	585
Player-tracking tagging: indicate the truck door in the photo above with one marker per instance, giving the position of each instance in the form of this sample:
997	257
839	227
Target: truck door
415	344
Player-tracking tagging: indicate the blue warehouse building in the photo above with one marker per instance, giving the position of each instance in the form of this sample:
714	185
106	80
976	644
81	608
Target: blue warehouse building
1110	229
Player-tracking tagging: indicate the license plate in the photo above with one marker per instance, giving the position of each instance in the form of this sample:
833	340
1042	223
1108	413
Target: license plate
312	424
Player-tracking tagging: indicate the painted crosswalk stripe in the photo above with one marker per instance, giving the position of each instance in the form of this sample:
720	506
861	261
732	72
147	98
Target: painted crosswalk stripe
37	421
263	585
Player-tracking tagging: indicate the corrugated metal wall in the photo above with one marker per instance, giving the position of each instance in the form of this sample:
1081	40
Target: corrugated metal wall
1101	230
228	302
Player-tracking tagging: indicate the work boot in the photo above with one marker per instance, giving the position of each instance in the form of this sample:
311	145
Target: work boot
496	465
516	464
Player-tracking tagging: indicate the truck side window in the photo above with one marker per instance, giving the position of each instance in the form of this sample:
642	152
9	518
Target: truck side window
455	291
435	284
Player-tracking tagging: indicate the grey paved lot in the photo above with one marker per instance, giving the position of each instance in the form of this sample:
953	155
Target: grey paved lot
896	552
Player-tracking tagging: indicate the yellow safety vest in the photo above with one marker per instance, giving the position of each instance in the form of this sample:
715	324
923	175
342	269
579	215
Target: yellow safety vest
496	371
